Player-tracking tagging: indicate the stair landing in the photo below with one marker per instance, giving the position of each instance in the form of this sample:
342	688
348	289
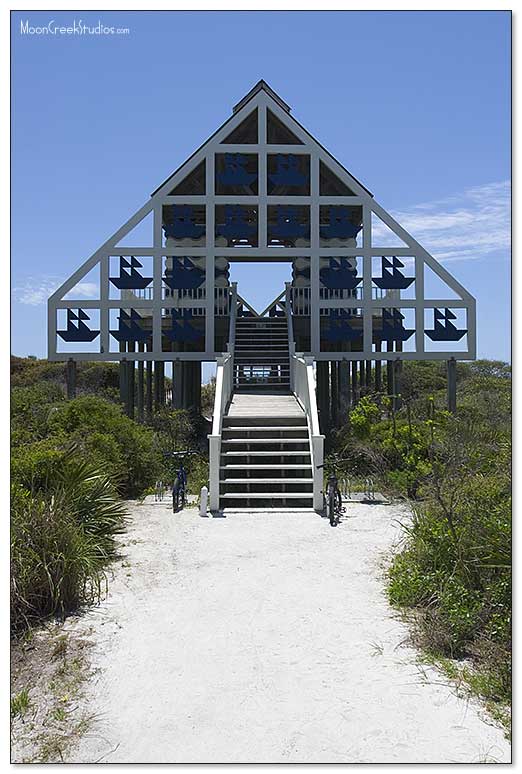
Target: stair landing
264	404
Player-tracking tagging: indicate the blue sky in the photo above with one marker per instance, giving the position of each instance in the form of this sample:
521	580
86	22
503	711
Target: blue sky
415	104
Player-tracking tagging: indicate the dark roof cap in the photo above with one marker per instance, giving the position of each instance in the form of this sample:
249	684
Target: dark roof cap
261	85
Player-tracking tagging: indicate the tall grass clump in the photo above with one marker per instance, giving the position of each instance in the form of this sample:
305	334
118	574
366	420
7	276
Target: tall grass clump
63	527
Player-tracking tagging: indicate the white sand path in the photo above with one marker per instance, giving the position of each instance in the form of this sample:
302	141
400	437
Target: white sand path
265	638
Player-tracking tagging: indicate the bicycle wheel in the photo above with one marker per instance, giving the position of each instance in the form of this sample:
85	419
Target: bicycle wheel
331	508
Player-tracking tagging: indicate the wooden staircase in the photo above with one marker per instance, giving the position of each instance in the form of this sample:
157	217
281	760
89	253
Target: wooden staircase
261	354
265	451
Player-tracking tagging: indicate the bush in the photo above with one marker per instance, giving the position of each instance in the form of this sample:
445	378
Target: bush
30	410
62	534
454	568
104	434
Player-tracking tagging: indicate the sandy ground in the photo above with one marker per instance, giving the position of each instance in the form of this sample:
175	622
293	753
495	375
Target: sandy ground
265	638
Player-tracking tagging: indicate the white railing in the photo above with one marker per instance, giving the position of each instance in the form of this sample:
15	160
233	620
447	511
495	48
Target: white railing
233	317
302	378
224	385
289	325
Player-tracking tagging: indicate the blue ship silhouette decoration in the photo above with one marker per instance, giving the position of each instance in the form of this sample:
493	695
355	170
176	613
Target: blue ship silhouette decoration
443	329
340	226
287	172
393	328
235	172
339	328
340	275
76	329
130	280
182	225
287	224
183	275
394	279
181	328
128	328
236	226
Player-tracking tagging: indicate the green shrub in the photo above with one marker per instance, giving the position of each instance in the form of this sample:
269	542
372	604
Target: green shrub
62	534
454	567
101	430
30	411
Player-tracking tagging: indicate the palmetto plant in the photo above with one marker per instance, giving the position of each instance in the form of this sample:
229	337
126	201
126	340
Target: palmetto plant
62	536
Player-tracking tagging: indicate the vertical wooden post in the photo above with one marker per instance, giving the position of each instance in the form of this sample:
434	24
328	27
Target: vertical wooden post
390	388
368	376
130	388
156	386
334	393
378	370
140	385
452	385
362	378
177	385
148	398
397	371
70	376
123	376
355	393
162	382
123	383
344	389
186	385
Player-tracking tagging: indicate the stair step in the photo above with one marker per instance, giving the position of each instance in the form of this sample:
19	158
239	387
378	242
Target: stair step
259	363
263	428
268	495
246	466
281	509
245	387
251	441
266	454
266	481
261	347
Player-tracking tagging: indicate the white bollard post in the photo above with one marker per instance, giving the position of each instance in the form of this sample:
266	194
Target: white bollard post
203	501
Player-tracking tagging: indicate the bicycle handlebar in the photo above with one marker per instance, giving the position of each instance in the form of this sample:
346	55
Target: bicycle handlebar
180	453
331	464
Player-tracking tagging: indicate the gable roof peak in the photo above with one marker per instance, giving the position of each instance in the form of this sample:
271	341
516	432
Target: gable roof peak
261	86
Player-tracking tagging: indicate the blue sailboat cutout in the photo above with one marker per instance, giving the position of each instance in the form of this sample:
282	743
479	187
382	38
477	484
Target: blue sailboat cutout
340	225
443	329
288	226
392	327
235	226
340	275
394	279
339	328
76	329
128	328
287	172
181	328
235	172
132	280
183	226
183	275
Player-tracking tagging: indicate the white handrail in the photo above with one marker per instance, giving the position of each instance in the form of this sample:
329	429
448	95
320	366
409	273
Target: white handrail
303	385
233	317
224	386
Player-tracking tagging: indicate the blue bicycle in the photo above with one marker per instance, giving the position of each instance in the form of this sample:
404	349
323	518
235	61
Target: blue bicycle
179	484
